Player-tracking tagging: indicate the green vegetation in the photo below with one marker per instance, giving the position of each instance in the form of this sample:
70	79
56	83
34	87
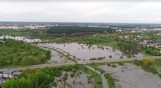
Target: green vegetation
23	32
98	80
94	75
148	64
78	68
38	79
18	53
110	80
44	78
128	47
127	42
99	58
152	51
78	30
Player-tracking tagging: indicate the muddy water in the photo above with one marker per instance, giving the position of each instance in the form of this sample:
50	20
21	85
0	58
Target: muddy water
86	52
78	81
131	76
56	57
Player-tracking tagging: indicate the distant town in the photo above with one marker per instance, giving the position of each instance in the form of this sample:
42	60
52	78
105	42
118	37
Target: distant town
46	25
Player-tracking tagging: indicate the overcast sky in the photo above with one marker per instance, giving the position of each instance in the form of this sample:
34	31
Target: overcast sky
82	11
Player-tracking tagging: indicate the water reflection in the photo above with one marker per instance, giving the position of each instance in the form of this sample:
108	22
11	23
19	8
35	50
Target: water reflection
87	52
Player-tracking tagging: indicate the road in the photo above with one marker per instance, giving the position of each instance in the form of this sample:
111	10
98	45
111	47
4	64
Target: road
43	66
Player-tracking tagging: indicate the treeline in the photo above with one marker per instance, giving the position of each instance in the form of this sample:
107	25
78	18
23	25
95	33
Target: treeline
22	32
128	47
78	30
14	53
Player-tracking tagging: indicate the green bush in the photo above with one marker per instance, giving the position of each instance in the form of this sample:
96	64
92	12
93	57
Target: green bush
113	65
120	63
38	79
14	52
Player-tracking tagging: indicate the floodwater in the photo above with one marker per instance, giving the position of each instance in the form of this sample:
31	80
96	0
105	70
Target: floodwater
86	52
21	38
132	76
57	57
78	81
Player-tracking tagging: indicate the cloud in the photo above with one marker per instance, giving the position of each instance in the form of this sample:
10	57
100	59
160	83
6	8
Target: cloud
81	11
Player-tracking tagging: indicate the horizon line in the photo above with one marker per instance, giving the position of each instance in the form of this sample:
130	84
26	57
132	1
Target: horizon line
76	22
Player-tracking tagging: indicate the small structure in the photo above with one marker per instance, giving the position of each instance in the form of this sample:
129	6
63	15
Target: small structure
6	74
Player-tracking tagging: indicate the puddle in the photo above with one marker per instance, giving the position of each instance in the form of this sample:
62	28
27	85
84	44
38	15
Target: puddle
56	57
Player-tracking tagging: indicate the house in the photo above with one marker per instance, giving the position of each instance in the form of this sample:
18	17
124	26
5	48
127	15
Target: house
8	74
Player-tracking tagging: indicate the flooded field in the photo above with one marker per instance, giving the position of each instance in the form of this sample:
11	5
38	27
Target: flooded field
21	38
80	80
57	57
132	76
87	52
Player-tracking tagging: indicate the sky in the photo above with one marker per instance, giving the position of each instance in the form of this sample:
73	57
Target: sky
123	11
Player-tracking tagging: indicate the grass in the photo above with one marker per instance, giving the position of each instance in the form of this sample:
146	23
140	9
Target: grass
157	63
110	81
95	65
110	43
98	80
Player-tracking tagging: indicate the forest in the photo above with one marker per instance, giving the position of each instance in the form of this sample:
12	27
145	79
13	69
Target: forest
56	30
78	30
13	53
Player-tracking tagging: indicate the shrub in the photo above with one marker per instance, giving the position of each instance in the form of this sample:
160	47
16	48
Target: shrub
108	64
148	61
110	56
113	65
121	63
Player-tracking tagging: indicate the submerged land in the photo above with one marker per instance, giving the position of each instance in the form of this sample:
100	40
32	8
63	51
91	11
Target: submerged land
80	55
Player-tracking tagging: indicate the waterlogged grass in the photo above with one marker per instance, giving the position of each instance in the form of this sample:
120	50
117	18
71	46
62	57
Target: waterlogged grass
97	78
95	65
69	57
110	81
56	71
151	68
